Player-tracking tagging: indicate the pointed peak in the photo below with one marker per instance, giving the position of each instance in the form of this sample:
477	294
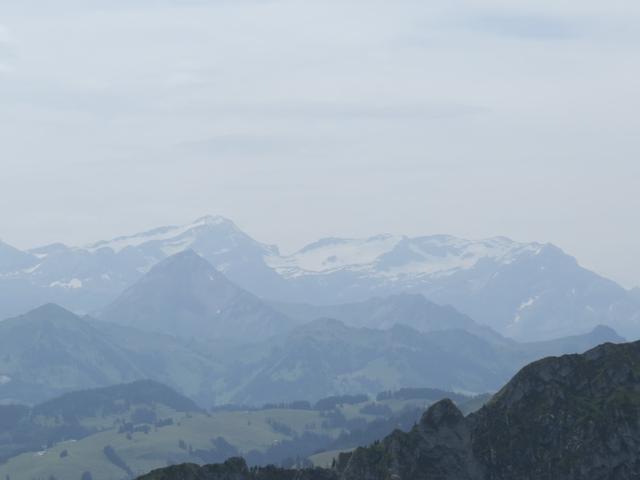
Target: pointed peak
51	308
186	260
49	311
442	414
167	233
213	220
606	334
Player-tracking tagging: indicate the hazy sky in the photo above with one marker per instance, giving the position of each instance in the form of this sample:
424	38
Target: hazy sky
301	119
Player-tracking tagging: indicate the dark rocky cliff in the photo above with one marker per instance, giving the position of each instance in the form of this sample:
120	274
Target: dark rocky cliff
570	417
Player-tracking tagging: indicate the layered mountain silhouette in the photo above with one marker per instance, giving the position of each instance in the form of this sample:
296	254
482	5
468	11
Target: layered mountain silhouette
50	351
186	296
567	418
523	291
526	291
383	313
326	355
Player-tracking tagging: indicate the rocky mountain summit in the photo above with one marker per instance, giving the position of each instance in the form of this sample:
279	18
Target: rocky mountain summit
570	417
563	418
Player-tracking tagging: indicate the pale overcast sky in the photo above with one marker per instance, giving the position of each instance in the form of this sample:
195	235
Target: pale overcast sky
300	119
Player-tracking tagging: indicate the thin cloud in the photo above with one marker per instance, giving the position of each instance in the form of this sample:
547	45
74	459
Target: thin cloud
526	26
491	105
7	51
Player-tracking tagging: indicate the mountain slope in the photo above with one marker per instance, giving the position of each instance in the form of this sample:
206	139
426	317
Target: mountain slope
74	406
524	291
563	418
49	351
527	291
192	368
85	279
573	343
14	260
328	357
215	238
571	417
186	297
382	313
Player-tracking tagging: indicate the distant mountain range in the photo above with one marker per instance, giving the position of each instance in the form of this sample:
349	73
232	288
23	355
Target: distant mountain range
562	418
186	325
50	351
328	356
522	290
380	344
383	313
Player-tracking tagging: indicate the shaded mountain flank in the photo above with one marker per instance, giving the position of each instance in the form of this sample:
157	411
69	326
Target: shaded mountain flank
327	357
51	351
185	296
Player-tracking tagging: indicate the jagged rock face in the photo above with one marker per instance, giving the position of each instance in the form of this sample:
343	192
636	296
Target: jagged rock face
573	417
438	447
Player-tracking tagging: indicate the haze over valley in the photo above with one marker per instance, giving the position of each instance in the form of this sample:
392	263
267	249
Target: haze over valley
337	240
207	312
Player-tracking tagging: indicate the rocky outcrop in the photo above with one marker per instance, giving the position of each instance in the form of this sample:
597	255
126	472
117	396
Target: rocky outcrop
573	417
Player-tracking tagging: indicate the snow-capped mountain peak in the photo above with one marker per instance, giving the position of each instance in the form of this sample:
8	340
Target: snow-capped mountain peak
331	254
392	255
492	280
161	234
